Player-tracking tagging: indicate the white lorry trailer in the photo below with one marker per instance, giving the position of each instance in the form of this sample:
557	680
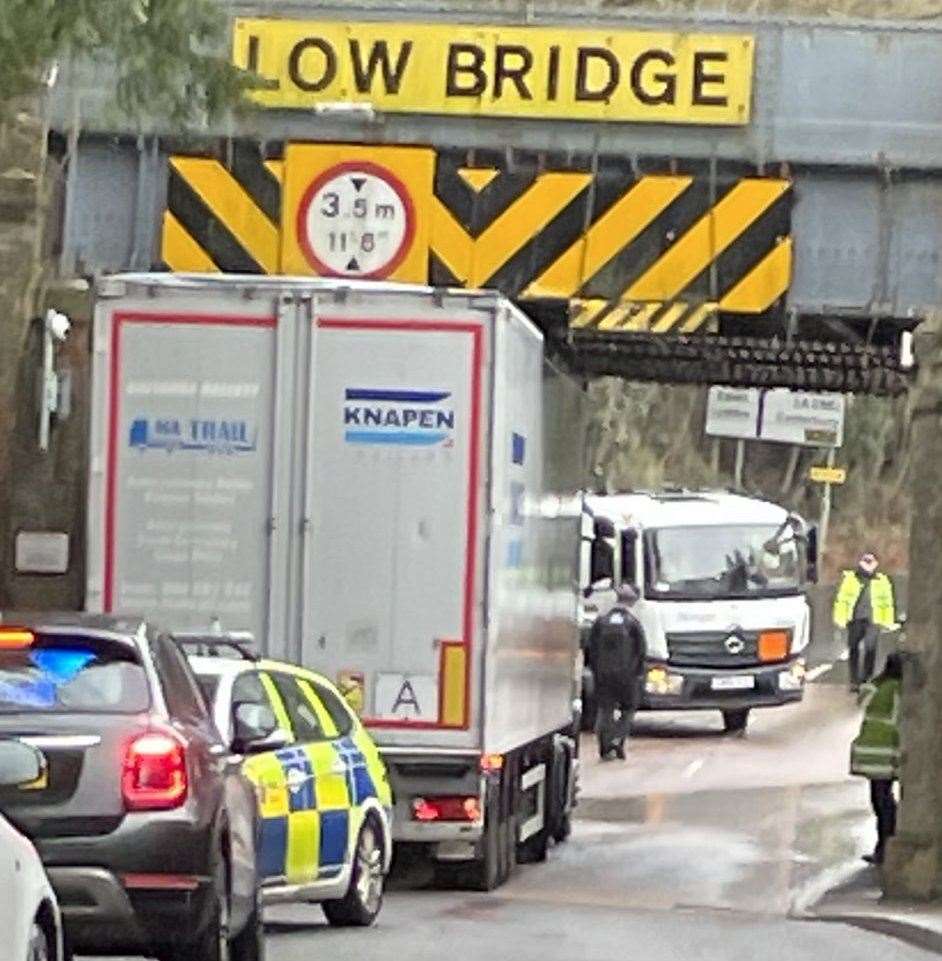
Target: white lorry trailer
721	580
381	483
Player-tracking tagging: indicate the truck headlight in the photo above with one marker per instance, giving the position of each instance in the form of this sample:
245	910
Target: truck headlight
659	681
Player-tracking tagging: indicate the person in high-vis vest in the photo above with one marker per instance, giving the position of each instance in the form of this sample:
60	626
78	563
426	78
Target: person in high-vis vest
875	754
863	605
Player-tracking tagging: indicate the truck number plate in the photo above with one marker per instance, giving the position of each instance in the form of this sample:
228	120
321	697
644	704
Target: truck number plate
742	683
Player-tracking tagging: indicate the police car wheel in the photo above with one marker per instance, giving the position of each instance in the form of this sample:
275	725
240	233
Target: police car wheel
364	897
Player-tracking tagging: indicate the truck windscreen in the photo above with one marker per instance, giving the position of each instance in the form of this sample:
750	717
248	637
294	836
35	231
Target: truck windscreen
713	563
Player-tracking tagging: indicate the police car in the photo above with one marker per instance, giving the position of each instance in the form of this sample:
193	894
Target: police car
323	792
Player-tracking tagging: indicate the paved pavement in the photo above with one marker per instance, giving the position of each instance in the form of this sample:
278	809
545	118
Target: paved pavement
701	844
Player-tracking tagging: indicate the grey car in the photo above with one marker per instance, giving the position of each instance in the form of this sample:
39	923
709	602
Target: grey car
143	820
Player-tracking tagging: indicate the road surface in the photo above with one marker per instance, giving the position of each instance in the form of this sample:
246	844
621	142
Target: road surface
700	845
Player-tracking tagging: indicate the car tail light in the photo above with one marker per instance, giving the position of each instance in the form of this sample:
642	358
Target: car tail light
774	645
154	776
446	809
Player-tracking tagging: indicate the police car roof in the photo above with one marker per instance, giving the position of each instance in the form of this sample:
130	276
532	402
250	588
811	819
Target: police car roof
226	666
221	665
683	508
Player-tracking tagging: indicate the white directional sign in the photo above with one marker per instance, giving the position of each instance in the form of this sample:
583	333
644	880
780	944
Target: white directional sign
779	414
797	417
732	412
356	220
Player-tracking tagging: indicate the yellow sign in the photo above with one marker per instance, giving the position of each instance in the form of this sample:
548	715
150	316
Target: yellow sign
828	475
491	71
357	212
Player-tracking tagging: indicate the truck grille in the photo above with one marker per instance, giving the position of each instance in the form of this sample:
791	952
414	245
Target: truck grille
708	649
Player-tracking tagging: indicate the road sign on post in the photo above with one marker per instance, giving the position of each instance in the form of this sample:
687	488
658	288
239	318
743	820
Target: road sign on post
733	412
797	417
828	475
781	415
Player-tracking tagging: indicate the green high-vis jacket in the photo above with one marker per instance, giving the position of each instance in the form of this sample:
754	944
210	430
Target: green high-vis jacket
875	753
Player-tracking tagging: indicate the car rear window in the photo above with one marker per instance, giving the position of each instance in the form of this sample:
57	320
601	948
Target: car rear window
66	674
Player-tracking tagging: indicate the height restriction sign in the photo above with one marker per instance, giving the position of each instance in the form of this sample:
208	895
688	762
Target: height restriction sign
357	212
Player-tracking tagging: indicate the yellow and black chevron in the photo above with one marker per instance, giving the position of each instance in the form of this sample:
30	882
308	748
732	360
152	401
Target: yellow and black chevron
224	216
633	247
632	251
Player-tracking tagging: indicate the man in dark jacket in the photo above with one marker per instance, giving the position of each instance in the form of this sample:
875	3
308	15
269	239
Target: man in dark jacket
616	655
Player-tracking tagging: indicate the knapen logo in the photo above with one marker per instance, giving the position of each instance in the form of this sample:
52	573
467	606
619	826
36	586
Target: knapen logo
208	436
412	418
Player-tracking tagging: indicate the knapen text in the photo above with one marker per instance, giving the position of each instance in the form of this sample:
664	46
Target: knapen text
501	71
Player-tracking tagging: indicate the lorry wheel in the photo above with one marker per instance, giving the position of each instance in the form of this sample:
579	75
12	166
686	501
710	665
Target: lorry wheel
559	816
734	722
589	706
484	873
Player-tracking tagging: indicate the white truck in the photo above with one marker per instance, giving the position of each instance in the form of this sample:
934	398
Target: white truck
381	483
722	580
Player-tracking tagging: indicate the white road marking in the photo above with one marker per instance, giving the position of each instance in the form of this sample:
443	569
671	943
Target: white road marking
817	672
692	768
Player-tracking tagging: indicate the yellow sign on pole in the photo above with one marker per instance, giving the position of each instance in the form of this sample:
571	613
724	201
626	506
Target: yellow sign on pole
828	475
501	71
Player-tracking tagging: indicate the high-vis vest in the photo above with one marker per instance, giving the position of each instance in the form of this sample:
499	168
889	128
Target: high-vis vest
876	754
881	599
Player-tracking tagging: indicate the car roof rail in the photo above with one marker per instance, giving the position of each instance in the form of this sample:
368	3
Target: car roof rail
234	645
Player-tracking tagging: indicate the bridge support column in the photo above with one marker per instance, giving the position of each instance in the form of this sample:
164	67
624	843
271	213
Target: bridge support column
914	859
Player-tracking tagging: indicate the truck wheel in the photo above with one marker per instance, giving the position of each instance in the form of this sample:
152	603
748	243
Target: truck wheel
508	848
535	848
559	819
486	872
360	905
589	705
734	722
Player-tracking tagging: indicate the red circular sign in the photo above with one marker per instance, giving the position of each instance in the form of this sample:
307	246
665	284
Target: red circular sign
356	220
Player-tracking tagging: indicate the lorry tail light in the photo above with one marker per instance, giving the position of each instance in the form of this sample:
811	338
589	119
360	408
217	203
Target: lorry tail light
459	808
774	645
154	776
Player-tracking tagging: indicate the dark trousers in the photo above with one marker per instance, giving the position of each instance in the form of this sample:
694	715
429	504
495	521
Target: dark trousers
884	807
861	640
613	721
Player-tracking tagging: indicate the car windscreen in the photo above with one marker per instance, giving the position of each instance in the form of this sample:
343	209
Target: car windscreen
71	673
714	562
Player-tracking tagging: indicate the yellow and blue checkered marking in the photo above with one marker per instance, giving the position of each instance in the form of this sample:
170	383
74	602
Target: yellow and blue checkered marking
311	796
